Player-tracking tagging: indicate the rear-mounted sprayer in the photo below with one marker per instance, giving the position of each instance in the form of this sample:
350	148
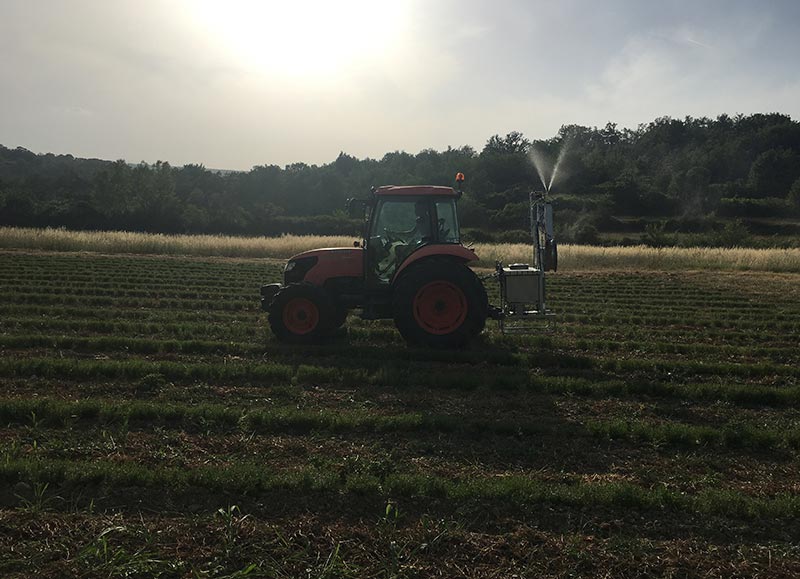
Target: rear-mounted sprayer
522	286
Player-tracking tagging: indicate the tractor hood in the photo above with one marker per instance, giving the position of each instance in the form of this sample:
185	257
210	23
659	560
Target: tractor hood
331	253
332	262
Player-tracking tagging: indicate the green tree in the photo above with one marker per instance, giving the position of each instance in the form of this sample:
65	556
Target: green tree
773	173
794	194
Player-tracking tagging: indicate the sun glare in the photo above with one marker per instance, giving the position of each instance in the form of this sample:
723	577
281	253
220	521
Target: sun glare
302	37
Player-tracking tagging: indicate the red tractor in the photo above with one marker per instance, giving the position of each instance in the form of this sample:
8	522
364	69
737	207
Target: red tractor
411	266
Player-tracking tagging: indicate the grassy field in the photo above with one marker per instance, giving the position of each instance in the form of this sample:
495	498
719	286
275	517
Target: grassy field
570	256
150	427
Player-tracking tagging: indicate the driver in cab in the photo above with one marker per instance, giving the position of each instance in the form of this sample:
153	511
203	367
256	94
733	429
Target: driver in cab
397	251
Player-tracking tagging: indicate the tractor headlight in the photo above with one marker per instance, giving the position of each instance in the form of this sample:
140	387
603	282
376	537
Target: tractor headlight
296	269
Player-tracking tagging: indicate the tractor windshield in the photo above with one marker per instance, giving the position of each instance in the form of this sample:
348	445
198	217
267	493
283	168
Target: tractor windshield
447	221
401	226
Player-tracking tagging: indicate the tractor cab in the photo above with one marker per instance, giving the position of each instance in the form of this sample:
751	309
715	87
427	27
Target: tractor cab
402	221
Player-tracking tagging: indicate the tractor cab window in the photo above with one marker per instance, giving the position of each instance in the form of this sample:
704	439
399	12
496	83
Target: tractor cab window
399	228
446	222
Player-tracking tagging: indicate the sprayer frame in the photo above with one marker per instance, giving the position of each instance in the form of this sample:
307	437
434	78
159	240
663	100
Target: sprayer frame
534	308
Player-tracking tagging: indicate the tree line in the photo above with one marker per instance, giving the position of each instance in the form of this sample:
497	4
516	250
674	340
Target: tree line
686	171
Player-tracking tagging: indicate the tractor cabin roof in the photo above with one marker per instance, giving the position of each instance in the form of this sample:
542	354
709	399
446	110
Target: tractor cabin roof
415	190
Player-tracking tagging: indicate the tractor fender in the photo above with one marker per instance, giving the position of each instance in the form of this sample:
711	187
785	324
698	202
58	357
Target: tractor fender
437	250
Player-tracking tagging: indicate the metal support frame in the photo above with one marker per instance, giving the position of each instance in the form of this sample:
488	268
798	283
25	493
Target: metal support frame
523	305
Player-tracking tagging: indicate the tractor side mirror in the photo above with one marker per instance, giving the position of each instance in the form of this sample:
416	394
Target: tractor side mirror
356	207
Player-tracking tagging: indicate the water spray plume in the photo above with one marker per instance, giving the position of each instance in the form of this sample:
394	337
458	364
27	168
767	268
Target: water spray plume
540	161
561	154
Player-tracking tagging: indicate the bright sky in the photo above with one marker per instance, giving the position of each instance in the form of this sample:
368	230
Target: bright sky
236	83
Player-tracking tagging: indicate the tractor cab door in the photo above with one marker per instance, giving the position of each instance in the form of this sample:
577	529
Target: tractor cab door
398	228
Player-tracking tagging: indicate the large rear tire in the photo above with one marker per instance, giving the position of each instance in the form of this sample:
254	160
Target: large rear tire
301	314
439	303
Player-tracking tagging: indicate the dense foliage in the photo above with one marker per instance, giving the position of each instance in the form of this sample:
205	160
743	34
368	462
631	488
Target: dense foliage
668	175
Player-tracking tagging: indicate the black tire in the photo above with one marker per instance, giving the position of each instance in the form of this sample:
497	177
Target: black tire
439	303
301	314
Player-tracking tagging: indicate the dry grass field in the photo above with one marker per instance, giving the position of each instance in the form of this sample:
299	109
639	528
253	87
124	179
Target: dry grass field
571	257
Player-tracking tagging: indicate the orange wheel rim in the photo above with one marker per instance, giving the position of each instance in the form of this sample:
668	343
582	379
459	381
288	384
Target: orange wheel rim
300	316
440	307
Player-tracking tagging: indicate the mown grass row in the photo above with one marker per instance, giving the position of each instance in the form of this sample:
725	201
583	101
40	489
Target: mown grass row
110	278
758	328
563	285
206	323
687	334
188	340
204	326
138	314
398	376
124	302
588	293
55	368
108	344
775	323
216	418
343	372
739	435
141	279
515	492
69	292
581	312
666	302
100	269
569	287
185	331
154	291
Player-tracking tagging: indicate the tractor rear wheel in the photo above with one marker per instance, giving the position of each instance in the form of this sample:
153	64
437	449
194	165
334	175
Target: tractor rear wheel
439	303
301	314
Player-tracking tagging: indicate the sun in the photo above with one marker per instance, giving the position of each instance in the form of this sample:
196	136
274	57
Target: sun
302	37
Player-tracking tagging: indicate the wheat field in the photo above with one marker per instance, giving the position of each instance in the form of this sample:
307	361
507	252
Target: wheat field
571	257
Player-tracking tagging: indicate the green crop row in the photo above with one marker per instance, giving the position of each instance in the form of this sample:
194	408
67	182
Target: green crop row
769	323
398	374
184	331
218	418
62	287
190	343
140	314
154	292
599	338
56	368
735	436
744	394
129	345
51	413
114	302
517	492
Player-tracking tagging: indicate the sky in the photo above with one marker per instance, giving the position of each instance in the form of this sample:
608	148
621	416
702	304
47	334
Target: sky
237	83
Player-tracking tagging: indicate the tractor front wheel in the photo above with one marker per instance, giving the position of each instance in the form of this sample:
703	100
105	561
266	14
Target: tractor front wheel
301	314
439	304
